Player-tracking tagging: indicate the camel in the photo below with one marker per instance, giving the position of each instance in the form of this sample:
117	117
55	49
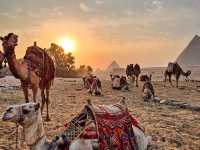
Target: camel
119	83
145	77
132	72
29	77
28	116
176	70
148	90
93	84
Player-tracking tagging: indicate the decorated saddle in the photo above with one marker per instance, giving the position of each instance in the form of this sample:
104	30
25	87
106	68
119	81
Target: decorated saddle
40	62
110	125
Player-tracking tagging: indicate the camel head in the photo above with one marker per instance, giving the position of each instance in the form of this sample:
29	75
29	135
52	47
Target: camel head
9	42
188	73
24	114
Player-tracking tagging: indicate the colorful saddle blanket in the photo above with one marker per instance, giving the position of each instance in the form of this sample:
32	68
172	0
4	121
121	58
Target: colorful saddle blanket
114	128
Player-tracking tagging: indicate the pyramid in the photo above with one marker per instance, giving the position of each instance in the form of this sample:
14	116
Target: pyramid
191	54
112	66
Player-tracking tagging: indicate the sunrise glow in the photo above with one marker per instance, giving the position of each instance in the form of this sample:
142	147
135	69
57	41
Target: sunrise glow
67	44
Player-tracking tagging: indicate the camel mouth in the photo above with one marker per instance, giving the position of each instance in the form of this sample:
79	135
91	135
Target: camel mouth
16	42
7	117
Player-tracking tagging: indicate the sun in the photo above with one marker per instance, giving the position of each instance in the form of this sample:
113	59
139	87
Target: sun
67	44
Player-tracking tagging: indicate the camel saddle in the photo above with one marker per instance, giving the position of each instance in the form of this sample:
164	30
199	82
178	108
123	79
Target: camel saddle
113	127
40	62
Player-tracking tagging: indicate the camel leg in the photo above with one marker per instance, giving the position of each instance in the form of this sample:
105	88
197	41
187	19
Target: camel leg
43	100
177	78
25	90
35	90
133	80
137	81
165	78
176	83
47	104
170	80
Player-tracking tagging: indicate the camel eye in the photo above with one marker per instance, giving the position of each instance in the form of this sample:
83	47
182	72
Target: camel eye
25	111
9	110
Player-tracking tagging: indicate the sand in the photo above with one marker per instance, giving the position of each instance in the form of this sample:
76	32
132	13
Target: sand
171	128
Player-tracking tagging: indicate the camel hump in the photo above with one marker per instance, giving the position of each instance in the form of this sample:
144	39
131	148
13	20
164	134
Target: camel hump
137	67
173	66
170	67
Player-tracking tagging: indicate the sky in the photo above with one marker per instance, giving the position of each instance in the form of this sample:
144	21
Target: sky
148	32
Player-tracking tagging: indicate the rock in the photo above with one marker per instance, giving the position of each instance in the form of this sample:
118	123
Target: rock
163	101
157	99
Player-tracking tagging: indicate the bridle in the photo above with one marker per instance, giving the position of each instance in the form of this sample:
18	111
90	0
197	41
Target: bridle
18	121
4	60
17	137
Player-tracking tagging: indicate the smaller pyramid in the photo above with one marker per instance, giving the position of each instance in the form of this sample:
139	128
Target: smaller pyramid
112	66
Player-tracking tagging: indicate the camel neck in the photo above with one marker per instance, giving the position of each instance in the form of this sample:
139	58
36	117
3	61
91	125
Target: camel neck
183	73
1	57
13	64
35	135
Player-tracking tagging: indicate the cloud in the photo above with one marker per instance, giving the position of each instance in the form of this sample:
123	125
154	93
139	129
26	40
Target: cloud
19	10
157	4
58	11
5	14
8	15
99	2
84	7
153	6
128	12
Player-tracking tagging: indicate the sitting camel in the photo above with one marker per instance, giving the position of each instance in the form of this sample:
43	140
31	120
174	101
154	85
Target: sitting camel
132	72
119	83
145	77
148	90
176	70
93	84
29	117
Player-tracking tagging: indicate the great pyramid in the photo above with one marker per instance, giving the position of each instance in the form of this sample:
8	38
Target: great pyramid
191	54
112	66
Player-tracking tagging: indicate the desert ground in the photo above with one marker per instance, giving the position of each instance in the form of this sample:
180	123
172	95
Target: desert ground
171	128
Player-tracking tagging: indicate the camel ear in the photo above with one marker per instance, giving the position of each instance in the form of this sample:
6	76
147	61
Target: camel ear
37	106
1	38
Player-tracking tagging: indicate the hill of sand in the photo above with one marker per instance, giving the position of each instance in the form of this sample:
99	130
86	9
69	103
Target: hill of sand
191	54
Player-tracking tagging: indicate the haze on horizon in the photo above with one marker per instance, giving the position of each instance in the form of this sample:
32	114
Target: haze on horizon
149	32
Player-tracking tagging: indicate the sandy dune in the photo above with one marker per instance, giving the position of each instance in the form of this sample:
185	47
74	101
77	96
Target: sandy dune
171	128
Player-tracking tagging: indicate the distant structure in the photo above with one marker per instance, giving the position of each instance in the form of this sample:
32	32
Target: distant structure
191	54
114	65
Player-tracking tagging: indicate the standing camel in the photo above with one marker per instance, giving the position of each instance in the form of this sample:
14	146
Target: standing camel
34	77
133	72
176	70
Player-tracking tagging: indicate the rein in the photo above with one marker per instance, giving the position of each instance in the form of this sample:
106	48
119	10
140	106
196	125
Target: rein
19	119
17	137
4	60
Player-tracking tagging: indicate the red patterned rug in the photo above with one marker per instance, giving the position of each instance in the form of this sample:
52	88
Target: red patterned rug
114	127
